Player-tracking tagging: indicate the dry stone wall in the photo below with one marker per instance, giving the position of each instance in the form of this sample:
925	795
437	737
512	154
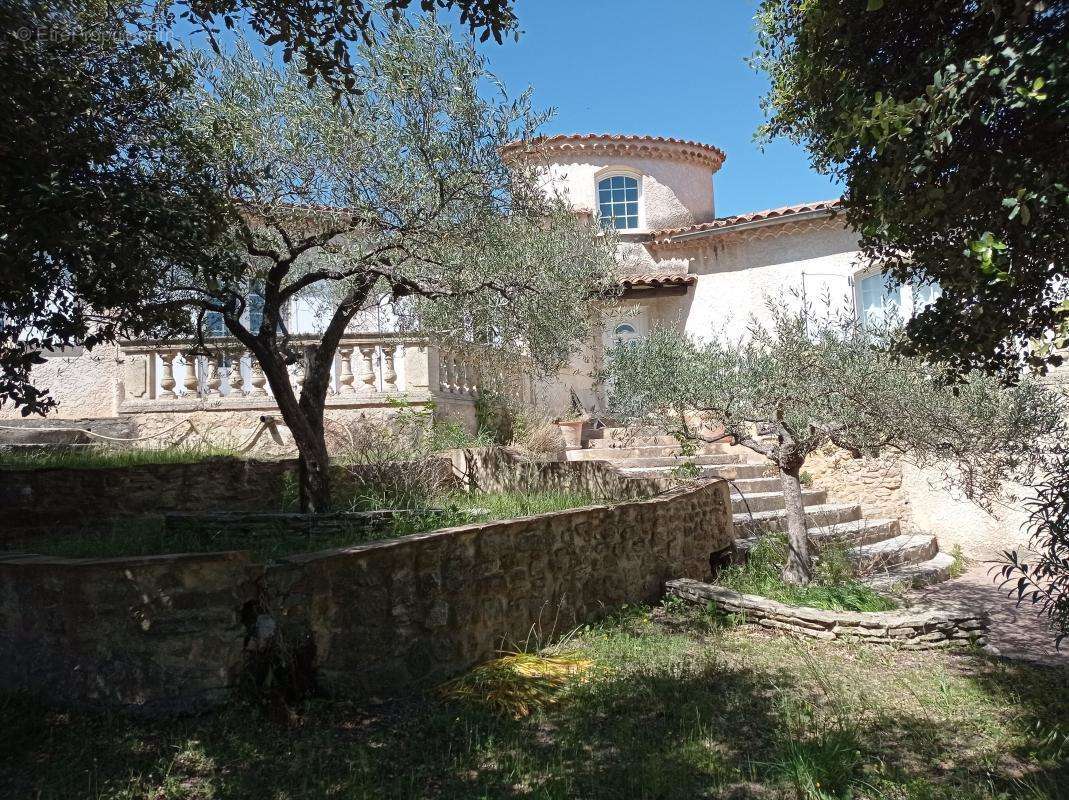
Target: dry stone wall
171	633
875	483
911	629
38	501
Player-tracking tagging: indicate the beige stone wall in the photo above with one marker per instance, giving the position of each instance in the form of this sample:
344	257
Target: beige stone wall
875	483
923	500
83	386
169	633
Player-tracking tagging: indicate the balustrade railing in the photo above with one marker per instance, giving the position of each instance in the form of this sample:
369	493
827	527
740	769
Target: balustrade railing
368	370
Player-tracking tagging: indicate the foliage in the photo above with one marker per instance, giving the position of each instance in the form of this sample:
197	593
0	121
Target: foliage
673	709
396	203
833	587
802	380
517	684
103	189
947	123
109	457
1042	576
812	378
321	34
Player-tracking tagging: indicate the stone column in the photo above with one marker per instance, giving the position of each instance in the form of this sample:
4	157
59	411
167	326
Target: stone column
389	371
212	381
167	382
234	379
189	381
367	369
346	377
257	378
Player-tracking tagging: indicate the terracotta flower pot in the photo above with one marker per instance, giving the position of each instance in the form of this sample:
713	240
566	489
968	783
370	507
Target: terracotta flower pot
572	431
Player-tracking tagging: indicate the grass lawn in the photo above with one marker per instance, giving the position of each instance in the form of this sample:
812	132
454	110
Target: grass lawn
834	586
676	707
147	536
106	457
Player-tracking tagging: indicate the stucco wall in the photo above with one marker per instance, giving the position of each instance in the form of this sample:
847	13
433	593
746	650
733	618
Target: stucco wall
735	276
83	386
673	193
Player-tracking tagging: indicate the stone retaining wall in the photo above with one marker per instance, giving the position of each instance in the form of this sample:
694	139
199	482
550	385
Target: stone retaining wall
875	483
170	633
36	501
949	624
500	469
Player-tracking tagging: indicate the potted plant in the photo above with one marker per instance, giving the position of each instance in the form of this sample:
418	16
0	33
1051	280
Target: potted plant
571	430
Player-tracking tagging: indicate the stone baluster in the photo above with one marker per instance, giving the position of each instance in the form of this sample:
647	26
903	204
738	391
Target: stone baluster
389	370
345	376
234	379
367	369
460	372
257	379
443	372
189	380
212	381
167	381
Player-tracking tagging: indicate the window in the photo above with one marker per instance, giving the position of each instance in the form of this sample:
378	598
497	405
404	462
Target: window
881	300
618	202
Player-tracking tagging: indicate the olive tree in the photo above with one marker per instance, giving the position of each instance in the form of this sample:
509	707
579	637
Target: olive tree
399	196
800	380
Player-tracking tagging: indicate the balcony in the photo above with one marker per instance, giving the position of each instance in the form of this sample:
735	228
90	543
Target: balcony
370	370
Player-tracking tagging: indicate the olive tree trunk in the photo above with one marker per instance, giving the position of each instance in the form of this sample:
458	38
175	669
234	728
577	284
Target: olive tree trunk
799	568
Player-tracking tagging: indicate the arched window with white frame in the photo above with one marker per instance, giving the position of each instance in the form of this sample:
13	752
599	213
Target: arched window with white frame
618	202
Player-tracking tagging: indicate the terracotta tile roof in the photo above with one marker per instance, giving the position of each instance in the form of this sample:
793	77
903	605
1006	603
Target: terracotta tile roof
624	144
783	213
655	280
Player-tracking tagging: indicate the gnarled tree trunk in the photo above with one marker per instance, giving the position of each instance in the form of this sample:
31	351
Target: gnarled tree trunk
799	568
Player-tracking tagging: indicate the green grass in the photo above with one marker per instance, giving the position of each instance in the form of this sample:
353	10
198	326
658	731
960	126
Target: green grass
147	536
833	586
104	457
675	707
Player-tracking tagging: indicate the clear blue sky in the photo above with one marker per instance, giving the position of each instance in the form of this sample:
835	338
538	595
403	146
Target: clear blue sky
669	68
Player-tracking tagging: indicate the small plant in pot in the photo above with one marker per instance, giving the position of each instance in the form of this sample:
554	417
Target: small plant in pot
571	429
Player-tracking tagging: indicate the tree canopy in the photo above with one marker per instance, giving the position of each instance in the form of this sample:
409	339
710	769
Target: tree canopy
103	187
948	122
400	198
804	378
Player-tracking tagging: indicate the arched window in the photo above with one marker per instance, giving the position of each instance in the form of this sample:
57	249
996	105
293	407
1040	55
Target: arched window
618	202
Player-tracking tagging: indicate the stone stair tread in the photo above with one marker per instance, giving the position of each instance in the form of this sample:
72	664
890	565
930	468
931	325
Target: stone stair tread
844	530
916	575
894	544
717	459
779	513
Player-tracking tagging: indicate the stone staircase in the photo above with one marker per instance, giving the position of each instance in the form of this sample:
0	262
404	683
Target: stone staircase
882	553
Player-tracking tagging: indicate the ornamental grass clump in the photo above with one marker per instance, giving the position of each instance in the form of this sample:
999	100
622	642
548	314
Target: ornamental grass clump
833	587
517	684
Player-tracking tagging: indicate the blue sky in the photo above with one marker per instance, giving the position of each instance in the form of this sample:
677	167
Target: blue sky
670	68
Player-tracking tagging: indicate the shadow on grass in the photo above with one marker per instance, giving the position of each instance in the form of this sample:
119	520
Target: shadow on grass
663	717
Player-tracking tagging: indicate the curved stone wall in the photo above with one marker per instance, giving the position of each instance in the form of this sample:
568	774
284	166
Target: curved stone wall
910	629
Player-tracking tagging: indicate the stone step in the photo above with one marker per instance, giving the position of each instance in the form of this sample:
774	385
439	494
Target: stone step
671	461
853	533
907	548
654	441
621	453
856	532
748	486
766	501
744	470
905	576
760	522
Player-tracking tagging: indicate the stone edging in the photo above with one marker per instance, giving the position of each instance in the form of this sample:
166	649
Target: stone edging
946	625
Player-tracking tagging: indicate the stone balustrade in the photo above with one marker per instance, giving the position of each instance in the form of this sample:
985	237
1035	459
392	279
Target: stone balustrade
369	370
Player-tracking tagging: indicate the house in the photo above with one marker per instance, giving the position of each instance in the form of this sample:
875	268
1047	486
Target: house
682	265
